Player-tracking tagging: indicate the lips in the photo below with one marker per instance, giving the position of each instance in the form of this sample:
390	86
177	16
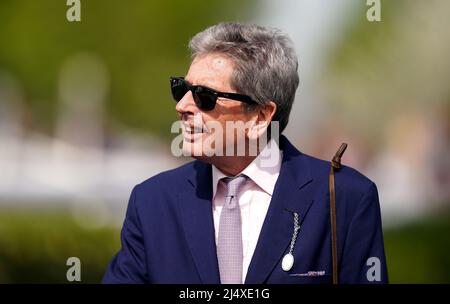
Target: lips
192	133
193	129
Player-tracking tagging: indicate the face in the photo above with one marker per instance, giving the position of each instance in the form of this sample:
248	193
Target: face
213	71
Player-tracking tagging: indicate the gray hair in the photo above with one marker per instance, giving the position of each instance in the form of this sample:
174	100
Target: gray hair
265	62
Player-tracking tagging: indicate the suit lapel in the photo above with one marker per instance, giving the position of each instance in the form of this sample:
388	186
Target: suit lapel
196	213
292	193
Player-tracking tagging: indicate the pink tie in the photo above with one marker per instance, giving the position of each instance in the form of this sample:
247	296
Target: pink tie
229	247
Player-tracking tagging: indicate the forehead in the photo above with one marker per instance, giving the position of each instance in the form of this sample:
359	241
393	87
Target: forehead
212	70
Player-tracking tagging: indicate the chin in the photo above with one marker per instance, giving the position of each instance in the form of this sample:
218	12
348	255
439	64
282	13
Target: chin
200	147
194	149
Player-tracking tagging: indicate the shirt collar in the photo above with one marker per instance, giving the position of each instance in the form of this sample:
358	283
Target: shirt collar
263	170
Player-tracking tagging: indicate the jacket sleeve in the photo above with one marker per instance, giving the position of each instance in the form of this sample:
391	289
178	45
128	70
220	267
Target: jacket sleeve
363	259
129	264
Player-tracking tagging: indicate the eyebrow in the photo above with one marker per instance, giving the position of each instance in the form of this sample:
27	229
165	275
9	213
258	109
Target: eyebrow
200	85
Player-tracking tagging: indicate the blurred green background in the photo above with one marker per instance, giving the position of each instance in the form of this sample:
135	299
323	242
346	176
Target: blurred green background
385	84
142	44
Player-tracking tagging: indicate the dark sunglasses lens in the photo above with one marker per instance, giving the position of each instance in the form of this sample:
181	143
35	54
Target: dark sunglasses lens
179	89
205	101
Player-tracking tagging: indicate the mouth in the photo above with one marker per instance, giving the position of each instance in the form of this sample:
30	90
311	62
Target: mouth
191	129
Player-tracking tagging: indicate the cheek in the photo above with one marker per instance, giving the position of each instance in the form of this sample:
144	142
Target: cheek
223	118
228	113
221	115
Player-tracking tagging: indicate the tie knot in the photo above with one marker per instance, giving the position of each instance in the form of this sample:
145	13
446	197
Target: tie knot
234	184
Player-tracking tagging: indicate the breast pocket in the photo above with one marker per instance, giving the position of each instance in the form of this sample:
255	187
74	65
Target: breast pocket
302	279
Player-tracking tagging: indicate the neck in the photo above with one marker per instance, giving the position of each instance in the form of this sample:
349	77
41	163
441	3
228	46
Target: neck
233	165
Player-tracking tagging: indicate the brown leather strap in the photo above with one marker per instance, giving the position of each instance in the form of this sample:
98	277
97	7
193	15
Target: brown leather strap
335	165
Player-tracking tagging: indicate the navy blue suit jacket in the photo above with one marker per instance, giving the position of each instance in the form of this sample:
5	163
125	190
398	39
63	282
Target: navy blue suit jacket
168	232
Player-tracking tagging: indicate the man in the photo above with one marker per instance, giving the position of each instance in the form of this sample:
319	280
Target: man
234	217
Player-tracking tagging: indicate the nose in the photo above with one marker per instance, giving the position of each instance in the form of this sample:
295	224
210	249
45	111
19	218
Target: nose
187	104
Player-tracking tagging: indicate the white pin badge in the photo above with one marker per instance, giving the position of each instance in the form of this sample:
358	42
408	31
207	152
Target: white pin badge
288	260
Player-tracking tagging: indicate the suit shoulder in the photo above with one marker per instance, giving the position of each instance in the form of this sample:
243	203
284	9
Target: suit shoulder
161	189
347	178
167	179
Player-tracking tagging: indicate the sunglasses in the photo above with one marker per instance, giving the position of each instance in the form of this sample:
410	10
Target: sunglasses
204	97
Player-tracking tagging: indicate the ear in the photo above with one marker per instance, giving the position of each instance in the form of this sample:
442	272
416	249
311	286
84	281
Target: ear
267	112
264	115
